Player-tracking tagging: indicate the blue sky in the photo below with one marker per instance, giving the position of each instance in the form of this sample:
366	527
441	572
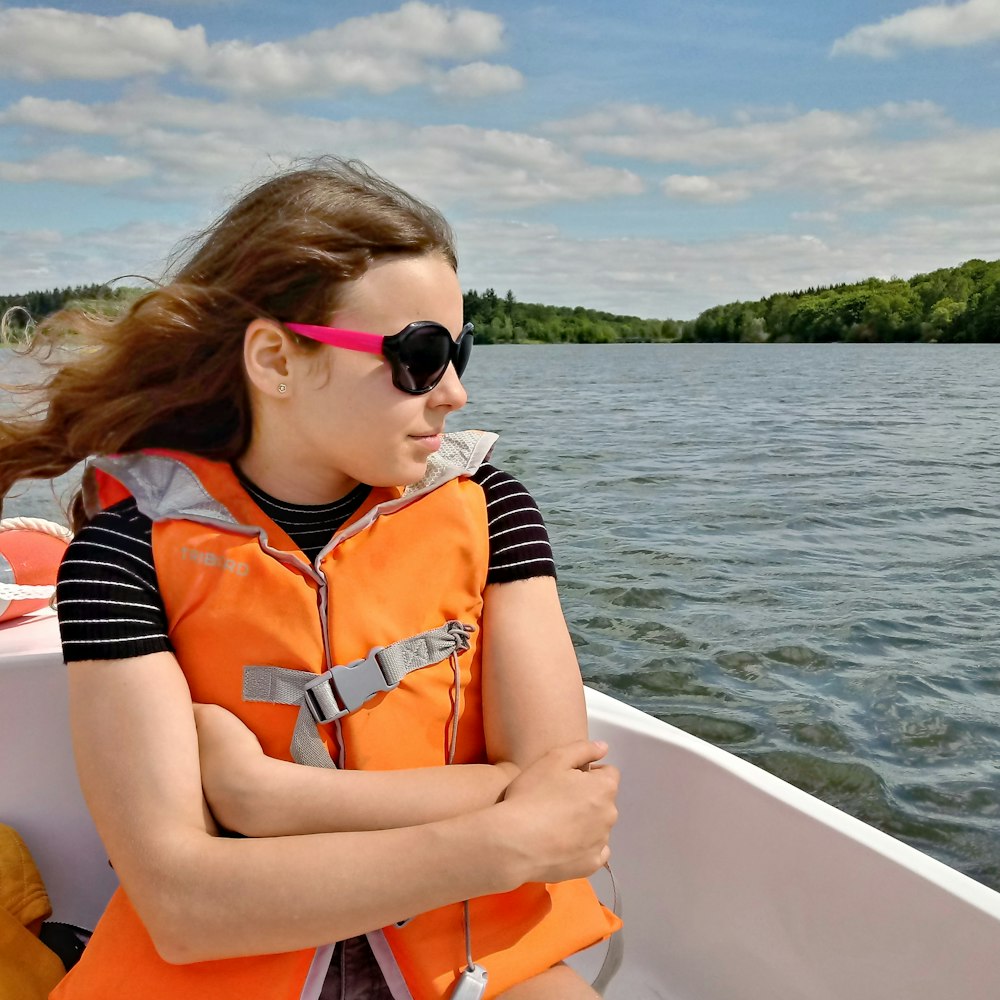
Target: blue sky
650	158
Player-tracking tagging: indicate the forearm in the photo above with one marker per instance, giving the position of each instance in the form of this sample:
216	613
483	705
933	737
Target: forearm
315	889
202	897
280	798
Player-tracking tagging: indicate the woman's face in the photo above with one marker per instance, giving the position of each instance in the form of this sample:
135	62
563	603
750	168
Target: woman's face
346	414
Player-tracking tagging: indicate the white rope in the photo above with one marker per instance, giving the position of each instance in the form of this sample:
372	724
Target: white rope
19	592
36	524
15	592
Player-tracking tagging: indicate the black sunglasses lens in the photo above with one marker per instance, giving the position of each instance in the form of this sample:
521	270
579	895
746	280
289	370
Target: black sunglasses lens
423	357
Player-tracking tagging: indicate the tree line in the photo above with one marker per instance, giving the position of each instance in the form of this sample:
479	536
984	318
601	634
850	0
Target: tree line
41	303
20	310
498	320
504	320
950	305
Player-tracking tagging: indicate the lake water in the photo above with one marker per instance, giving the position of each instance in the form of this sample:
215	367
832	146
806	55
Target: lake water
792	551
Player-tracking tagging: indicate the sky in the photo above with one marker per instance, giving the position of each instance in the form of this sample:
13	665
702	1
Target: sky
650	158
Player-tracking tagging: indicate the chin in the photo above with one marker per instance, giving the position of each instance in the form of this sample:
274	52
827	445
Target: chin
406	476
414	477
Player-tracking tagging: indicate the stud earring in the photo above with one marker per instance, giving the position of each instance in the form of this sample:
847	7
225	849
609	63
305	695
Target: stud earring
282	388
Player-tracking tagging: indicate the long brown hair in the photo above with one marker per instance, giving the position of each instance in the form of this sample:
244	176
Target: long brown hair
168	372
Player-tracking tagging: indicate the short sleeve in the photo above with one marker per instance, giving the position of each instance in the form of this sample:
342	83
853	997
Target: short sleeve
107	597
519	541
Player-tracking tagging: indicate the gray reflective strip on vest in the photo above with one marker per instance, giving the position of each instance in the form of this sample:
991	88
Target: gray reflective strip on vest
343	689
163	487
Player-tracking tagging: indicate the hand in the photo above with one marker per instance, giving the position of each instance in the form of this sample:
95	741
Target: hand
232	763
561	811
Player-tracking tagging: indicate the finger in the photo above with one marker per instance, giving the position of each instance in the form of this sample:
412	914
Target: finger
608	772
580	754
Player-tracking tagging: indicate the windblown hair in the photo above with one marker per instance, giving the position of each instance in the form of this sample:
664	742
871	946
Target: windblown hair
168	372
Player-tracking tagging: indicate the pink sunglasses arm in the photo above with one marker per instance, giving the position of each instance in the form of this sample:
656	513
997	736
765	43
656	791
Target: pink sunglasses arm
353	340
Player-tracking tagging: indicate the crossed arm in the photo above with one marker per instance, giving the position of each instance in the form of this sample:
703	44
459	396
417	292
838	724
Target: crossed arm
405	842
532	703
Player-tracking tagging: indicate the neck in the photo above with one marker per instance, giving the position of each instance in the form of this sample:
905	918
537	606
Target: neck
285	475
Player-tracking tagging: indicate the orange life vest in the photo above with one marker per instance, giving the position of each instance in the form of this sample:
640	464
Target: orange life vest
239	593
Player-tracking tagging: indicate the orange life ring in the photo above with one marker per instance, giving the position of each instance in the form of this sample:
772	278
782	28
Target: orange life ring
30	552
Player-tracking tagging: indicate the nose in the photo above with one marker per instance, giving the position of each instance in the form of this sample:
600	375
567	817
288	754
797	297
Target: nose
449	393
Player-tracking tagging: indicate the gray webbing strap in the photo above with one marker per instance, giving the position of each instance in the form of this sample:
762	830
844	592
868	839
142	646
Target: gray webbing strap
329	696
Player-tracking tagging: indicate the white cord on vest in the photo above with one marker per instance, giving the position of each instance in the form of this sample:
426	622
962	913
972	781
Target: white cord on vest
471	984
451	760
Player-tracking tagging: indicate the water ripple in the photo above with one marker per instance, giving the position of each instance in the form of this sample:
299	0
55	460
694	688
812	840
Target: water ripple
787	552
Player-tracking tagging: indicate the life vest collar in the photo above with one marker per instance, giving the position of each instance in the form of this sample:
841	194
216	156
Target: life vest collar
461	454
165	487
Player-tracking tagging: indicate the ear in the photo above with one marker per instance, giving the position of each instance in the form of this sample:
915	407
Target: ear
267	352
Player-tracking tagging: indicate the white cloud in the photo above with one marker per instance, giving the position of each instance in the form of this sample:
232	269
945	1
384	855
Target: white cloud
197	146
649	133
875	158
380	53
823	217
931	26
640	119
956	170
478	79
896	154
73	166
422	29
138	110
658	278
462	162
42	43
43	258
710	190
673	279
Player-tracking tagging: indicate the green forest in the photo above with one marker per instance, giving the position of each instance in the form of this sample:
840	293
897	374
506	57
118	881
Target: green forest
19	309
504	320
951	305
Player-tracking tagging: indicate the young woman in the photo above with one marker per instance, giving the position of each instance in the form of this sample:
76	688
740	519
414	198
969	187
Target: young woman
281	552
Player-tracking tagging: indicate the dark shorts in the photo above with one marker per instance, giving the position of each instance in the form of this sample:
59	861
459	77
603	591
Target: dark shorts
354	974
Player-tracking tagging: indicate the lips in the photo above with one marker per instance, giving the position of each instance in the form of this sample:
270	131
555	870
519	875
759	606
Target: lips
429	441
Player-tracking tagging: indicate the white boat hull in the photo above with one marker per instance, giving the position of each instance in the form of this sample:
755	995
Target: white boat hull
738	886
735	885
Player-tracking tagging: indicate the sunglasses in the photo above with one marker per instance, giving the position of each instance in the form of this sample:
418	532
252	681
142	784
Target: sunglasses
419	354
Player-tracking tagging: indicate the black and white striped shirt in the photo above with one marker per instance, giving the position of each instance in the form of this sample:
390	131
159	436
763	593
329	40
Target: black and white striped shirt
108	598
